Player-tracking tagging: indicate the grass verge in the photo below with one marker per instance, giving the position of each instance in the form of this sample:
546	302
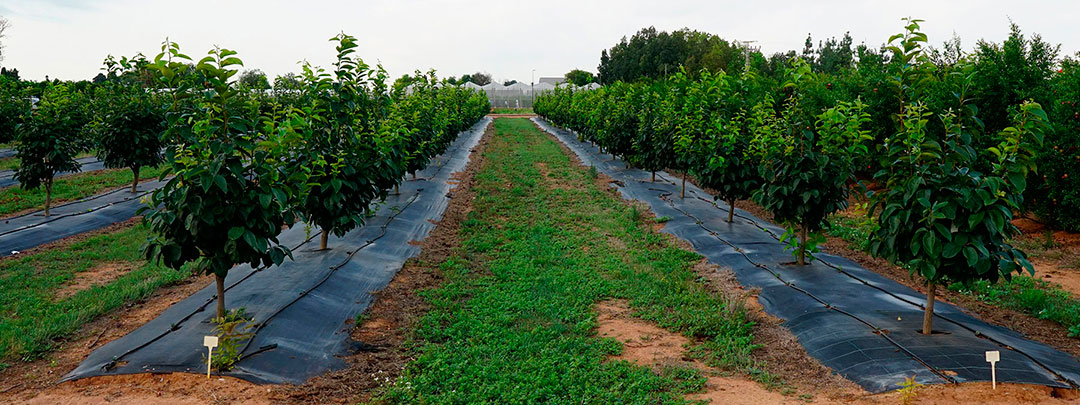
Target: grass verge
510	110
515	320
16	199
1041	299
32	315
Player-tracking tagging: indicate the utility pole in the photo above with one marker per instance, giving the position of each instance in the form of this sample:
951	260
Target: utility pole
532	87
746	52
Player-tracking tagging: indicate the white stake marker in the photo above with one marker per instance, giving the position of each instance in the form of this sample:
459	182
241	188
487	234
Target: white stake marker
211	342
993	357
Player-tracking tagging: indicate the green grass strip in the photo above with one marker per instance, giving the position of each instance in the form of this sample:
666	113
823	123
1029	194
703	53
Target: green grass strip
515	320
511	110
32	319
16	199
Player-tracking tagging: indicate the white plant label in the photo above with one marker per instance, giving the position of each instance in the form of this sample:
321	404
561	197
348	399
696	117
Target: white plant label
210	342
993	357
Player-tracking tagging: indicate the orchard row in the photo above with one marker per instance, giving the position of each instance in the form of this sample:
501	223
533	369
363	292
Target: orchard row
942	207
245	163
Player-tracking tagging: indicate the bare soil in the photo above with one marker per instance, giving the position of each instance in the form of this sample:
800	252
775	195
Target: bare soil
101	275
1054	253
646	344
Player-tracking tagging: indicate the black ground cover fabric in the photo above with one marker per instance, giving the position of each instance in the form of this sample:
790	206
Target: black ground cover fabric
302	306
88	164
30	230
862	325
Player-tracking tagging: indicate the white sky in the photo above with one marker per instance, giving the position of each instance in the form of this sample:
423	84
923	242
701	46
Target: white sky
68	39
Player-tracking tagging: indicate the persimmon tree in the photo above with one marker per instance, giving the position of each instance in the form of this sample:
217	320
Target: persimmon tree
342	156
715	140
654	141
231	193
938	215
49	139
131	122
807	162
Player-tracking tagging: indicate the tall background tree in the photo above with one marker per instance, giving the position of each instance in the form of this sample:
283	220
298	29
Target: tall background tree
4	25
580	77
478	78
253	79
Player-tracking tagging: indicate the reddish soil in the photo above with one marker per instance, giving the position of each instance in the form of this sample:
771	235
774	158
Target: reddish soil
100	275
1054	253
648	345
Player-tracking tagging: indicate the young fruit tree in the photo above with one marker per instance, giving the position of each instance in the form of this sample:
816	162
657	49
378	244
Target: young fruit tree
341	156
131	120
50	139
231	193
808	162
714	138
938	214
654	143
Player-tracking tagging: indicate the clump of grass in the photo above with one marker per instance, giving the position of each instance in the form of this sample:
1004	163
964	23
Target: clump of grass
1039	298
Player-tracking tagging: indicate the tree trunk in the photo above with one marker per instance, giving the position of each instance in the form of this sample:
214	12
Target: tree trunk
654	177
414	175
802	246
928	316
682	193
135	182
220	281
322	240
396	190
48	196
731	211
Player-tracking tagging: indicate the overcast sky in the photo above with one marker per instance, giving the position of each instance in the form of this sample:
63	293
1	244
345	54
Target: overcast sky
68	39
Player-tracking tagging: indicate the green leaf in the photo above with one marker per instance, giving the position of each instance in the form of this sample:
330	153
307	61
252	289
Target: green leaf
970	255
250	239
951	250
220	181
236	232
